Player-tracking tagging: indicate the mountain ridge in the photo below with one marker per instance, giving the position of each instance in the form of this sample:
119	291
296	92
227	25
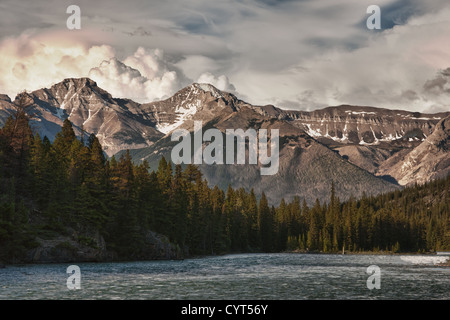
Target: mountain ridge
429	160
341	137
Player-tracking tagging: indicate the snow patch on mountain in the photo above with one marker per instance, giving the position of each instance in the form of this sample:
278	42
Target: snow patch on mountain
184	112
60	113
359	112
312	132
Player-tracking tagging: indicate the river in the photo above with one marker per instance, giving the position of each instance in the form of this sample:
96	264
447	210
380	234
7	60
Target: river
281	276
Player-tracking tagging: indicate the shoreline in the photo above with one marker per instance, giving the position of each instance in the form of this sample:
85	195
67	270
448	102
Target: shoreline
429	253
372	253
445	264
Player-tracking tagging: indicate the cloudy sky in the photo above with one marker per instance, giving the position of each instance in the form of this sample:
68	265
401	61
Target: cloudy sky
295	54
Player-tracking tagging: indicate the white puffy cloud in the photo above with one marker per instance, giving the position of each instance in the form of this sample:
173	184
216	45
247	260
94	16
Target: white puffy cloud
194	66
118	78
144	76
294	54
28	63
150	63
123	81
221	82
31	62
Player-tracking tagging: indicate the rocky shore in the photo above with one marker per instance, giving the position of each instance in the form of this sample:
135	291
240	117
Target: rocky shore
446	264
81	243
91	247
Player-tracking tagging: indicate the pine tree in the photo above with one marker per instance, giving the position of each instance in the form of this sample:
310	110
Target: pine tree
265	223
283	221
220	244
252	221
313	237
179	204
18	138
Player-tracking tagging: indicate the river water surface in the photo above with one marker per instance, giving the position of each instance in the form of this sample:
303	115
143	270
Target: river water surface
239	276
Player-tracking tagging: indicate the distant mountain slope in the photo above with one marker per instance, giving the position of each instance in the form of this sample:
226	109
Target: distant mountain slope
307	168
429	160
366	157
364	125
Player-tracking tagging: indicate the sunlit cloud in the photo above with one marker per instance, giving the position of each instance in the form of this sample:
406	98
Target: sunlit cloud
293	54
26	63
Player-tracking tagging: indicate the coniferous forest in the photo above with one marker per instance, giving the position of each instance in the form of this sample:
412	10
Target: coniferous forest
70	182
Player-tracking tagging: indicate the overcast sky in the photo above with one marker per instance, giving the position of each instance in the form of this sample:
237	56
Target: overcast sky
300	54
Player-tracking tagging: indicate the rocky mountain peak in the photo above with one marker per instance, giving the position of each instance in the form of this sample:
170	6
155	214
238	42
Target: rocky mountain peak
79	82
441	135
207	88
85	87
203	92
198	101
4	97
118	123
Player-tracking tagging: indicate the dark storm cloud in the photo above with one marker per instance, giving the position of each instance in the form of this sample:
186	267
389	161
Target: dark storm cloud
398	12
440	84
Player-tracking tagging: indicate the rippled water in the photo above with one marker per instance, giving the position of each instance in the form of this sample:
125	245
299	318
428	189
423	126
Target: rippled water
240	276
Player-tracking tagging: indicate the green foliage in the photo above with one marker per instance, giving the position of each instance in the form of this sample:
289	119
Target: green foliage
64	246
71	183
87	241
415	219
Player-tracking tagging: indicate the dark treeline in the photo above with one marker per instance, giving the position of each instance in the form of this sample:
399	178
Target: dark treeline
70	182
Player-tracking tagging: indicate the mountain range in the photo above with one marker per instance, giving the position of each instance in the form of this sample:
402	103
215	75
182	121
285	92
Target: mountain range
358	148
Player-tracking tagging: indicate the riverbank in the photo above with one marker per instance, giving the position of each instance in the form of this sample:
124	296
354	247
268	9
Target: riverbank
378	252
165	253
445	264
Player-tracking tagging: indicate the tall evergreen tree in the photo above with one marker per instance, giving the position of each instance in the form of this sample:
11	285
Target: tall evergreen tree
265	223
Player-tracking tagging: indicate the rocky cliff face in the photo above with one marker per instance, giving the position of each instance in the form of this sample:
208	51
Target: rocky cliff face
429	160
82	243
118	123
364	125
199	101
86	246
6	108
